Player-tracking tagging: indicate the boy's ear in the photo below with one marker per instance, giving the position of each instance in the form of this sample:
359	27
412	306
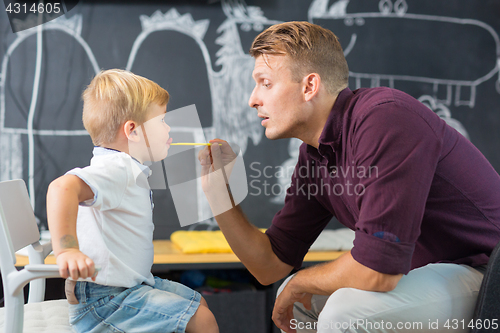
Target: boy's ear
130	129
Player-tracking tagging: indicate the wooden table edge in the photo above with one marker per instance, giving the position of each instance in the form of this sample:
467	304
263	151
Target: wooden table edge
168	253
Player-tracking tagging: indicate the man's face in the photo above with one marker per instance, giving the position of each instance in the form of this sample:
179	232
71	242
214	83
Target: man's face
277	98
157	135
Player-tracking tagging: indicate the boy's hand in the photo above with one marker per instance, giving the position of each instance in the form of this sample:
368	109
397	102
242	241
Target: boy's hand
73	263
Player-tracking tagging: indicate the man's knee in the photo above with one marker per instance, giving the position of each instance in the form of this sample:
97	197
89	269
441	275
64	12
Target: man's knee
339	314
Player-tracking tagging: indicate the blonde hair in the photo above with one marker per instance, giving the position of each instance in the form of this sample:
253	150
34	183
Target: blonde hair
310	48
115	96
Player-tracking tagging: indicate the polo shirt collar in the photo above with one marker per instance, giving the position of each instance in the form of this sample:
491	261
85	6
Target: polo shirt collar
332	131
107	151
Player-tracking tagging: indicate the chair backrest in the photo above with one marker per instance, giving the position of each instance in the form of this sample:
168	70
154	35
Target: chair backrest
18	226
18	218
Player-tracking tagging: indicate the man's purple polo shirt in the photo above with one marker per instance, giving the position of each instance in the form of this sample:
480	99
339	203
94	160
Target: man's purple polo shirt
414	190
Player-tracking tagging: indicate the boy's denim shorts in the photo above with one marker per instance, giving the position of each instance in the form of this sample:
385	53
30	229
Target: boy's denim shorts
165	307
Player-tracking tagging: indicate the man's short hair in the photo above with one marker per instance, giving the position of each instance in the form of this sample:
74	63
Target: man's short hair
310	48
115	96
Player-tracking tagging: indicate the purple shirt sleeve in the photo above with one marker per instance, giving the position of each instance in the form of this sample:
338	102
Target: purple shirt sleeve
405	149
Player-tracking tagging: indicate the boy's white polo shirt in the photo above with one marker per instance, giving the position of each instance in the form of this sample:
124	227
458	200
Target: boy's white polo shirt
115	229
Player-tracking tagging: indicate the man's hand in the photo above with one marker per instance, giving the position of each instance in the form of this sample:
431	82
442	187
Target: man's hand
218	155
73	263
283	307
217	162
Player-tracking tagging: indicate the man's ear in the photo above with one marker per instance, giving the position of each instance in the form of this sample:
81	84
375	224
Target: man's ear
131	131
311	84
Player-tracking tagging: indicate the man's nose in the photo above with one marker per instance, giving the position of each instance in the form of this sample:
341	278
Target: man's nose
254	101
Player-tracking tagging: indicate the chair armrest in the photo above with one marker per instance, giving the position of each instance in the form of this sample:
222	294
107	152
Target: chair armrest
41	268
36	275
51	268
17	280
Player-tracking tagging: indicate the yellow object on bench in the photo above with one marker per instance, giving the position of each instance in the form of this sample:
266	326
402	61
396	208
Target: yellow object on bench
201	241
198	241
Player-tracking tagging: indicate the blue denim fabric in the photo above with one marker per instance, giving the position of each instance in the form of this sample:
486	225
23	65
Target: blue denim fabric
165	307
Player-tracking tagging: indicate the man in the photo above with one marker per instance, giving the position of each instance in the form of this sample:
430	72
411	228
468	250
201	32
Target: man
423	201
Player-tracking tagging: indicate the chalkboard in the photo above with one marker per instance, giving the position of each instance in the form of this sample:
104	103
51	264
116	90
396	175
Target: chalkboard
445	53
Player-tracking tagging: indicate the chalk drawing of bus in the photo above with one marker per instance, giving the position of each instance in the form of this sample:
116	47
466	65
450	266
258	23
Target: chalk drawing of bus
386	38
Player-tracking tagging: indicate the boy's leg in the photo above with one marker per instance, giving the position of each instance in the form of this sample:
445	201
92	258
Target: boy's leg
433	298
203	320
165	307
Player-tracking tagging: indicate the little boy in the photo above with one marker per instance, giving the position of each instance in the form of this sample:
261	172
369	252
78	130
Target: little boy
109	206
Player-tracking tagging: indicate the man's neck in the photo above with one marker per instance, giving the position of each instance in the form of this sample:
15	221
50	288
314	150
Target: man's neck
322	109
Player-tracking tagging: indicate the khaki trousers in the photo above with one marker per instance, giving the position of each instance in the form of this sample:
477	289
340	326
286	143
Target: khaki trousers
434	298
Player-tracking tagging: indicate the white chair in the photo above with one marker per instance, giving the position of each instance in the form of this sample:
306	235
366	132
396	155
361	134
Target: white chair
18	229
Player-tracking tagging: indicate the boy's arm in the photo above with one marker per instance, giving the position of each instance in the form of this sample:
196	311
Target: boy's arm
63	196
